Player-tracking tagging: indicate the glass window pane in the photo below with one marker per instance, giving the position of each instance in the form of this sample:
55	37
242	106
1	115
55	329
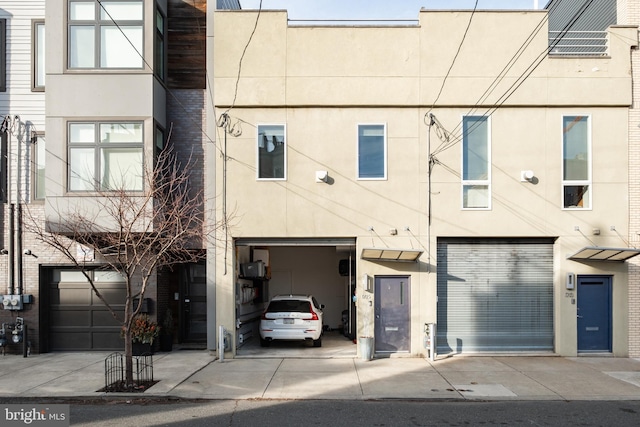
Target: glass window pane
475	196
81	47
575	148
121	47
40	172
82	11
576	196
475	149
81	169
122	169
108	277
120	132
121	11
82	133
39	56
371	151
271	151
160	22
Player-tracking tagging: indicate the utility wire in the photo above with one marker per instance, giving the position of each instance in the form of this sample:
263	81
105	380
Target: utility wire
244	51
464	36
521	79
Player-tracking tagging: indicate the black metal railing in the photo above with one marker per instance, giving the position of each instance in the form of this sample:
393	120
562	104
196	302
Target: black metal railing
114	372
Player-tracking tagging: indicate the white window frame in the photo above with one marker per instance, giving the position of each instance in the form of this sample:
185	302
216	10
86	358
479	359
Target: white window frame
98	24
3	54
586	182
257	148
98	148
38	156
476	182
385	153
38	72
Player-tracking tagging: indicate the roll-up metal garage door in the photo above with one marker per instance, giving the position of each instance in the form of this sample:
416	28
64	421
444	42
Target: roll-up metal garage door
495	295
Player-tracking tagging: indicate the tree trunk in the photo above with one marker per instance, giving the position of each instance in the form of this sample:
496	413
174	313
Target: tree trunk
128	357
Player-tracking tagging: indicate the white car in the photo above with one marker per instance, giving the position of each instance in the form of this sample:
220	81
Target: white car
292	317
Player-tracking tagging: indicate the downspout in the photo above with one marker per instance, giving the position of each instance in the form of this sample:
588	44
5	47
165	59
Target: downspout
19	252
12	208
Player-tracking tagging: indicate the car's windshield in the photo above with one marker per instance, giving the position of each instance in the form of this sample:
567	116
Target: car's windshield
289	305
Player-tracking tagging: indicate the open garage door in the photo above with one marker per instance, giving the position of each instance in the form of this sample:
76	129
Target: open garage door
296	266
495	295
77	319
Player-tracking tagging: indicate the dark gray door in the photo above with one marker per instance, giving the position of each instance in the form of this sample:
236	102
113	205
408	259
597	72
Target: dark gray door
194	303
392	314
594	314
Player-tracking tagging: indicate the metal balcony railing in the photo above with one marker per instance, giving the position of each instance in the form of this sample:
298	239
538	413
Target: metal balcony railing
578	43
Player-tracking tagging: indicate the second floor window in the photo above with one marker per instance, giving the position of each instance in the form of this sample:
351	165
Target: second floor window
576	162
272	153
476	163
105	156
372	151
105	34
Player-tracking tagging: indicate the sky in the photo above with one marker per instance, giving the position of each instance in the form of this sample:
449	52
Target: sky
379	9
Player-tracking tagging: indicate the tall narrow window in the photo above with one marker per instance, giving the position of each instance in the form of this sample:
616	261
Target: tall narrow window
105	34
105	156
476	163
576	162
272	153
372	151
3	55
160	46
4	171
39	152
38	56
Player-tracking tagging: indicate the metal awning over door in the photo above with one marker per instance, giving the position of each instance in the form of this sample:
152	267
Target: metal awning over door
598	253
495	295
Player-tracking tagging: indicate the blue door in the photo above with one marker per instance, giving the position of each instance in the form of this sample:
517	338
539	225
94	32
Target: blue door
594	314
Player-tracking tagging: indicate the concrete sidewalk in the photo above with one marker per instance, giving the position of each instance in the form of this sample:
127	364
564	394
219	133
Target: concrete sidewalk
195	374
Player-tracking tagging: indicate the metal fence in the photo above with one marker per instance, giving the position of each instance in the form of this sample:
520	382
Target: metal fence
578	43
114	371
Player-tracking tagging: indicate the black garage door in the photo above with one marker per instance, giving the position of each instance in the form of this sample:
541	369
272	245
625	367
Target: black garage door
78	320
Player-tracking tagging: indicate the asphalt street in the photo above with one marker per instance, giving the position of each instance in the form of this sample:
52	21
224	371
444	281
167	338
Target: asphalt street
279	413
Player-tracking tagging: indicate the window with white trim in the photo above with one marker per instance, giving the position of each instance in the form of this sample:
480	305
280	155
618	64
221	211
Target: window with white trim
38	42
105	34
272	152
576	162
38	173
372	151
105	156
3	55
476	163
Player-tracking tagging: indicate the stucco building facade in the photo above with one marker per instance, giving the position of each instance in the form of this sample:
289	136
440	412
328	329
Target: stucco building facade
497	171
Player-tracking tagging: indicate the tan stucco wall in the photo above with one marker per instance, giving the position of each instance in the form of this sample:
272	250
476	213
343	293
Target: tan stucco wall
323	82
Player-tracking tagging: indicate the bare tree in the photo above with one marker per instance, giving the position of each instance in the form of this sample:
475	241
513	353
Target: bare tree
132	233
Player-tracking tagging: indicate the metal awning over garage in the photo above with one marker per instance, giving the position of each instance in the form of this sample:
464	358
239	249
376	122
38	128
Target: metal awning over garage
391	254
597	253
